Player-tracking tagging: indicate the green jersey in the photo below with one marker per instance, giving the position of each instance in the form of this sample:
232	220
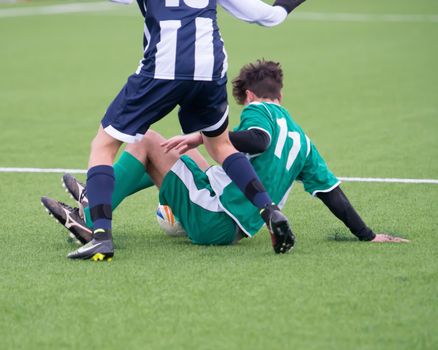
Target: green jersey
209	205
277	167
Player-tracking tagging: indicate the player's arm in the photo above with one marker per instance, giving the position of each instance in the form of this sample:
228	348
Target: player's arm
252	141
341	207
288	5
256	11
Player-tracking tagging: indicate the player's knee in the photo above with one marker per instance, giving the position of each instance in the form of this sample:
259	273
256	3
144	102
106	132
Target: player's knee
219	147
151	140
220	151
138	149
152	137
105	144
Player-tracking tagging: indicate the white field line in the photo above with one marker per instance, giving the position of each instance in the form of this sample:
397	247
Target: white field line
57	9
42	170
391	180
345	179
299	16
362	17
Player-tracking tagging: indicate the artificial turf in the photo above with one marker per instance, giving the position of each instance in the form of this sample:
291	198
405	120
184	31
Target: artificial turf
364	91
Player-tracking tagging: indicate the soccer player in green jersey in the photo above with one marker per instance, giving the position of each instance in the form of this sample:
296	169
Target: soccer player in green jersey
209	206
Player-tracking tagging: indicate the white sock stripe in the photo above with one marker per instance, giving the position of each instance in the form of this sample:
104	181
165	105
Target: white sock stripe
344	179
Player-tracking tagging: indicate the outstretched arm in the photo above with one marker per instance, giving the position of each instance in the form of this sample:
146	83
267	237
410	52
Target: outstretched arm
252	141
256	11
341	207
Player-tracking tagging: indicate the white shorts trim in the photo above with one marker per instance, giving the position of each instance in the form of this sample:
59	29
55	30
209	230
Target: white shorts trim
327	190
118	135
219	123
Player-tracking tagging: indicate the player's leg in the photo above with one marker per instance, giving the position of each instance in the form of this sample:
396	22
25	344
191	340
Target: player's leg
206	109
100	186
100	178
130	177
158	162
186	189
130	169
237	167
138	105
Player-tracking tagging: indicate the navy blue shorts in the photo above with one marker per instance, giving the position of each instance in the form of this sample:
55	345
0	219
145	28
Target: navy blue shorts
143	101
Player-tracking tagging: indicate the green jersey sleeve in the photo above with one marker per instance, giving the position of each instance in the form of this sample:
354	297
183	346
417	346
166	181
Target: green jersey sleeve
256	116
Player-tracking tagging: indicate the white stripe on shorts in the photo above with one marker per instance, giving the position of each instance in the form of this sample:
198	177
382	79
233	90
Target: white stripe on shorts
118	135
219	123
200	197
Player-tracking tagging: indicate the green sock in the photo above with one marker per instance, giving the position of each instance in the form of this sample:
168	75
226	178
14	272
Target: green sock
135	178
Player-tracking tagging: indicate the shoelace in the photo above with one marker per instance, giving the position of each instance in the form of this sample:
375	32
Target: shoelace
69	208
83	196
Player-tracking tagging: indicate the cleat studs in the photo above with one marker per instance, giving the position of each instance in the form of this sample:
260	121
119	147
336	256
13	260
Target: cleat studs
98	257
101	257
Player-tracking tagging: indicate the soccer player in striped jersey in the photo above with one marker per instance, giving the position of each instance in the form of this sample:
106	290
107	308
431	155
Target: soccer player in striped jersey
184	64
209	206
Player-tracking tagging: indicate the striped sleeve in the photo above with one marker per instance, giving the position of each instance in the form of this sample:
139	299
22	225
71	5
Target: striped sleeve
255	11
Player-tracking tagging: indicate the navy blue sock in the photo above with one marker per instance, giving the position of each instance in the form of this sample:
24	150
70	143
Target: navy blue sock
100	187
240	170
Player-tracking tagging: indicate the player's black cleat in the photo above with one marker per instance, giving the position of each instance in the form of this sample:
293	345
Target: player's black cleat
70	218
76	190
98	249
283	240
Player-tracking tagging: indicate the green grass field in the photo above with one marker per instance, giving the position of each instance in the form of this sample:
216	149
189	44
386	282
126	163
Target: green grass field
365	89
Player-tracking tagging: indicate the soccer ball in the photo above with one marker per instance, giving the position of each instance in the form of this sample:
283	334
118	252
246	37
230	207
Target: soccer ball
168	223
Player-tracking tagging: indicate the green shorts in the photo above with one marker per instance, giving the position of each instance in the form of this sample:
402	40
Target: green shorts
186	189
315	175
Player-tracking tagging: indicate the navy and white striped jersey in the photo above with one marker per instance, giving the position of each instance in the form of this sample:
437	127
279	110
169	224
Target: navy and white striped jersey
182	38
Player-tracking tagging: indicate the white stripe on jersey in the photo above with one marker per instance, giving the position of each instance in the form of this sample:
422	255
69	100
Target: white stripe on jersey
225	62
308	146
204	50
165	57
172	3
147	35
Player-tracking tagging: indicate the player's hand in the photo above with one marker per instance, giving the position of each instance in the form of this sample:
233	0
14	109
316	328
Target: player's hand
288	5
182	143
385	238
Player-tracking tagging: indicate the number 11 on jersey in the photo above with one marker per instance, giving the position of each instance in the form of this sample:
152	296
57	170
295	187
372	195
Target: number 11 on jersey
296	145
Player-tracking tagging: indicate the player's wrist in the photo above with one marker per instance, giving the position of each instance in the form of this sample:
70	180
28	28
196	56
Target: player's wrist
288	5
199	138
366	236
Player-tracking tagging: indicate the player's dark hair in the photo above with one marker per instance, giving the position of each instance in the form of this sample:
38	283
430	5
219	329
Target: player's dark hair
263	78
